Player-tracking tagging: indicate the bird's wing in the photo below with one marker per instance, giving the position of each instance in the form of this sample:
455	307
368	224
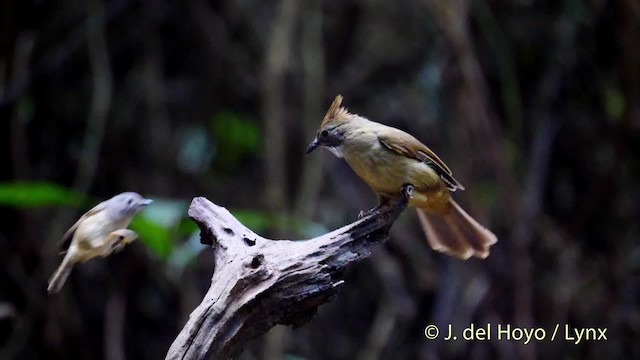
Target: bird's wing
404	144
64	243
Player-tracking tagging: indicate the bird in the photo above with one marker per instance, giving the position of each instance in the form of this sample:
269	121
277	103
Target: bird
100	232
388	159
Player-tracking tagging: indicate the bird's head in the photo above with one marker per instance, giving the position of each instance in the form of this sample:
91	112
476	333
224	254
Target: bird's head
126	204
331	133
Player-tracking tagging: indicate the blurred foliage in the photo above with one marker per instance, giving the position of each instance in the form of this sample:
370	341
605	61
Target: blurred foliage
293	357
295	226
235	136
157	237
614	102
196	150
41	193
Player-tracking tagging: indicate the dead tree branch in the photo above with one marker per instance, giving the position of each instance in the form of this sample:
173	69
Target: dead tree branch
259	283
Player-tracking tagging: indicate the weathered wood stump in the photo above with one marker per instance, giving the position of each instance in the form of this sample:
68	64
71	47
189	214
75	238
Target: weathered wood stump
259	283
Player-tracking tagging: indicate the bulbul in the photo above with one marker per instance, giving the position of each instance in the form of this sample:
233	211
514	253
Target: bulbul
387	159
100	232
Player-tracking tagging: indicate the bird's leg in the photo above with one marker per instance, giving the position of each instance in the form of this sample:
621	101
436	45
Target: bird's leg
118	239
117	245
406	193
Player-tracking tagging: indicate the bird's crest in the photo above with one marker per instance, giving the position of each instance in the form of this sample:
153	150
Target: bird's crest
336	112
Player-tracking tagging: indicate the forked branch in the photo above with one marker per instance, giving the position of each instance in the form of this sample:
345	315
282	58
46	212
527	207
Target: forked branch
259	283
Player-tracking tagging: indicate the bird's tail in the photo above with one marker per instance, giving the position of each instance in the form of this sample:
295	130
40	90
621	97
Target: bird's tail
456	233
60	276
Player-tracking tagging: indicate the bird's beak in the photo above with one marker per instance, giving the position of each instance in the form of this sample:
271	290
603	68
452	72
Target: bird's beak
314	144
146	202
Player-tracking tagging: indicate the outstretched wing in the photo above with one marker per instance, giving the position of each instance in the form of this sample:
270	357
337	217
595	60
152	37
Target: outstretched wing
64	243
404	144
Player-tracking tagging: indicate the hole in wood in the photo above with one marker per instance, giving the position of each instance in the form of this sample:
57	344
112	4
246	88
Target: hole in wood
256	262
249	242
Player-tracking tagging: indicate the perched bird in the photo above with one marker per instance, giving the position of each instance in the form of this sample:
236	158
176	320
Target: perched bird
387	159
100	232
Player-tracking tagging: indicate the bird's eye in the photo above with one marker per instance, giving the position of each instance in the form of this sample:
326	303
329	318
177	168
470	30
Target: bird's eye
324	133
129	202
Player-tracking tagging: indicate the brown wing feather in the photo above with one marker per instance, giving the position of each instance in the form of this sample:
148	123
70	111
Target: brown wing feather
64	243
404	144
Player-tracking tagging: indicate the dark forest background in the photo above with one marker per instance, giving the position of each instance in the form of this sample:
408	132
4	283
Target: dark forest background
533	104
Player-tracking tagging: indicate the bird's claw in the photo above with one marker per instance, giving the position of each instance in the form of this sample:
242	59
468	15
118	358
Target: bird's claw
406	193
372	211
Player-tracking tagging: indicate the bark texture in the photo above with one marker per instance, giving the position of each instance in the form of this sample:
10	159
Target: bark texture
259	283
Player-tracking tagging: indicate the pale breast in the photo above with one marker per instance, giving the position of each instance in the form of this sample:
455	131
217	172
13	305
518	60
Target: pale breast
96	227
386	172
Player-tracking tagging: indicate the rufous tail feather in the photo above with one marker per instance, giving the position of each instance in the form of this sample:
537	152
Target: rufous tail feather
456	233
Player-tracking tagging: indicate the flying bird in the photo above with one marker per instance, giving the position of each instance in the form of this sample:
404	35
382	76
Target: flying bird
100	232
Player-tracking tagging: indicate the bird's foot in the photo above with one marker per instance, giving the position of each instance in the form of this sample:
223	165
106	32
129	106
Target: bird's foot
118	245
371	211
406	193
119	239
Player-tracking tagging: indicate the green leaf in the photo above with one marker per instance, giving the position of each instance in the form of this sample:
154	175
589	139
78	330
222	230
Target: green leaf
157	225
187	227
156	236
38	193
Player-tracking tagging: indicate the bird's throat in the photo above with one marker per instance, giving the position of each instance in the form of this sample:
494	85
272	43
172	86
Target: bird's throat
335	151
